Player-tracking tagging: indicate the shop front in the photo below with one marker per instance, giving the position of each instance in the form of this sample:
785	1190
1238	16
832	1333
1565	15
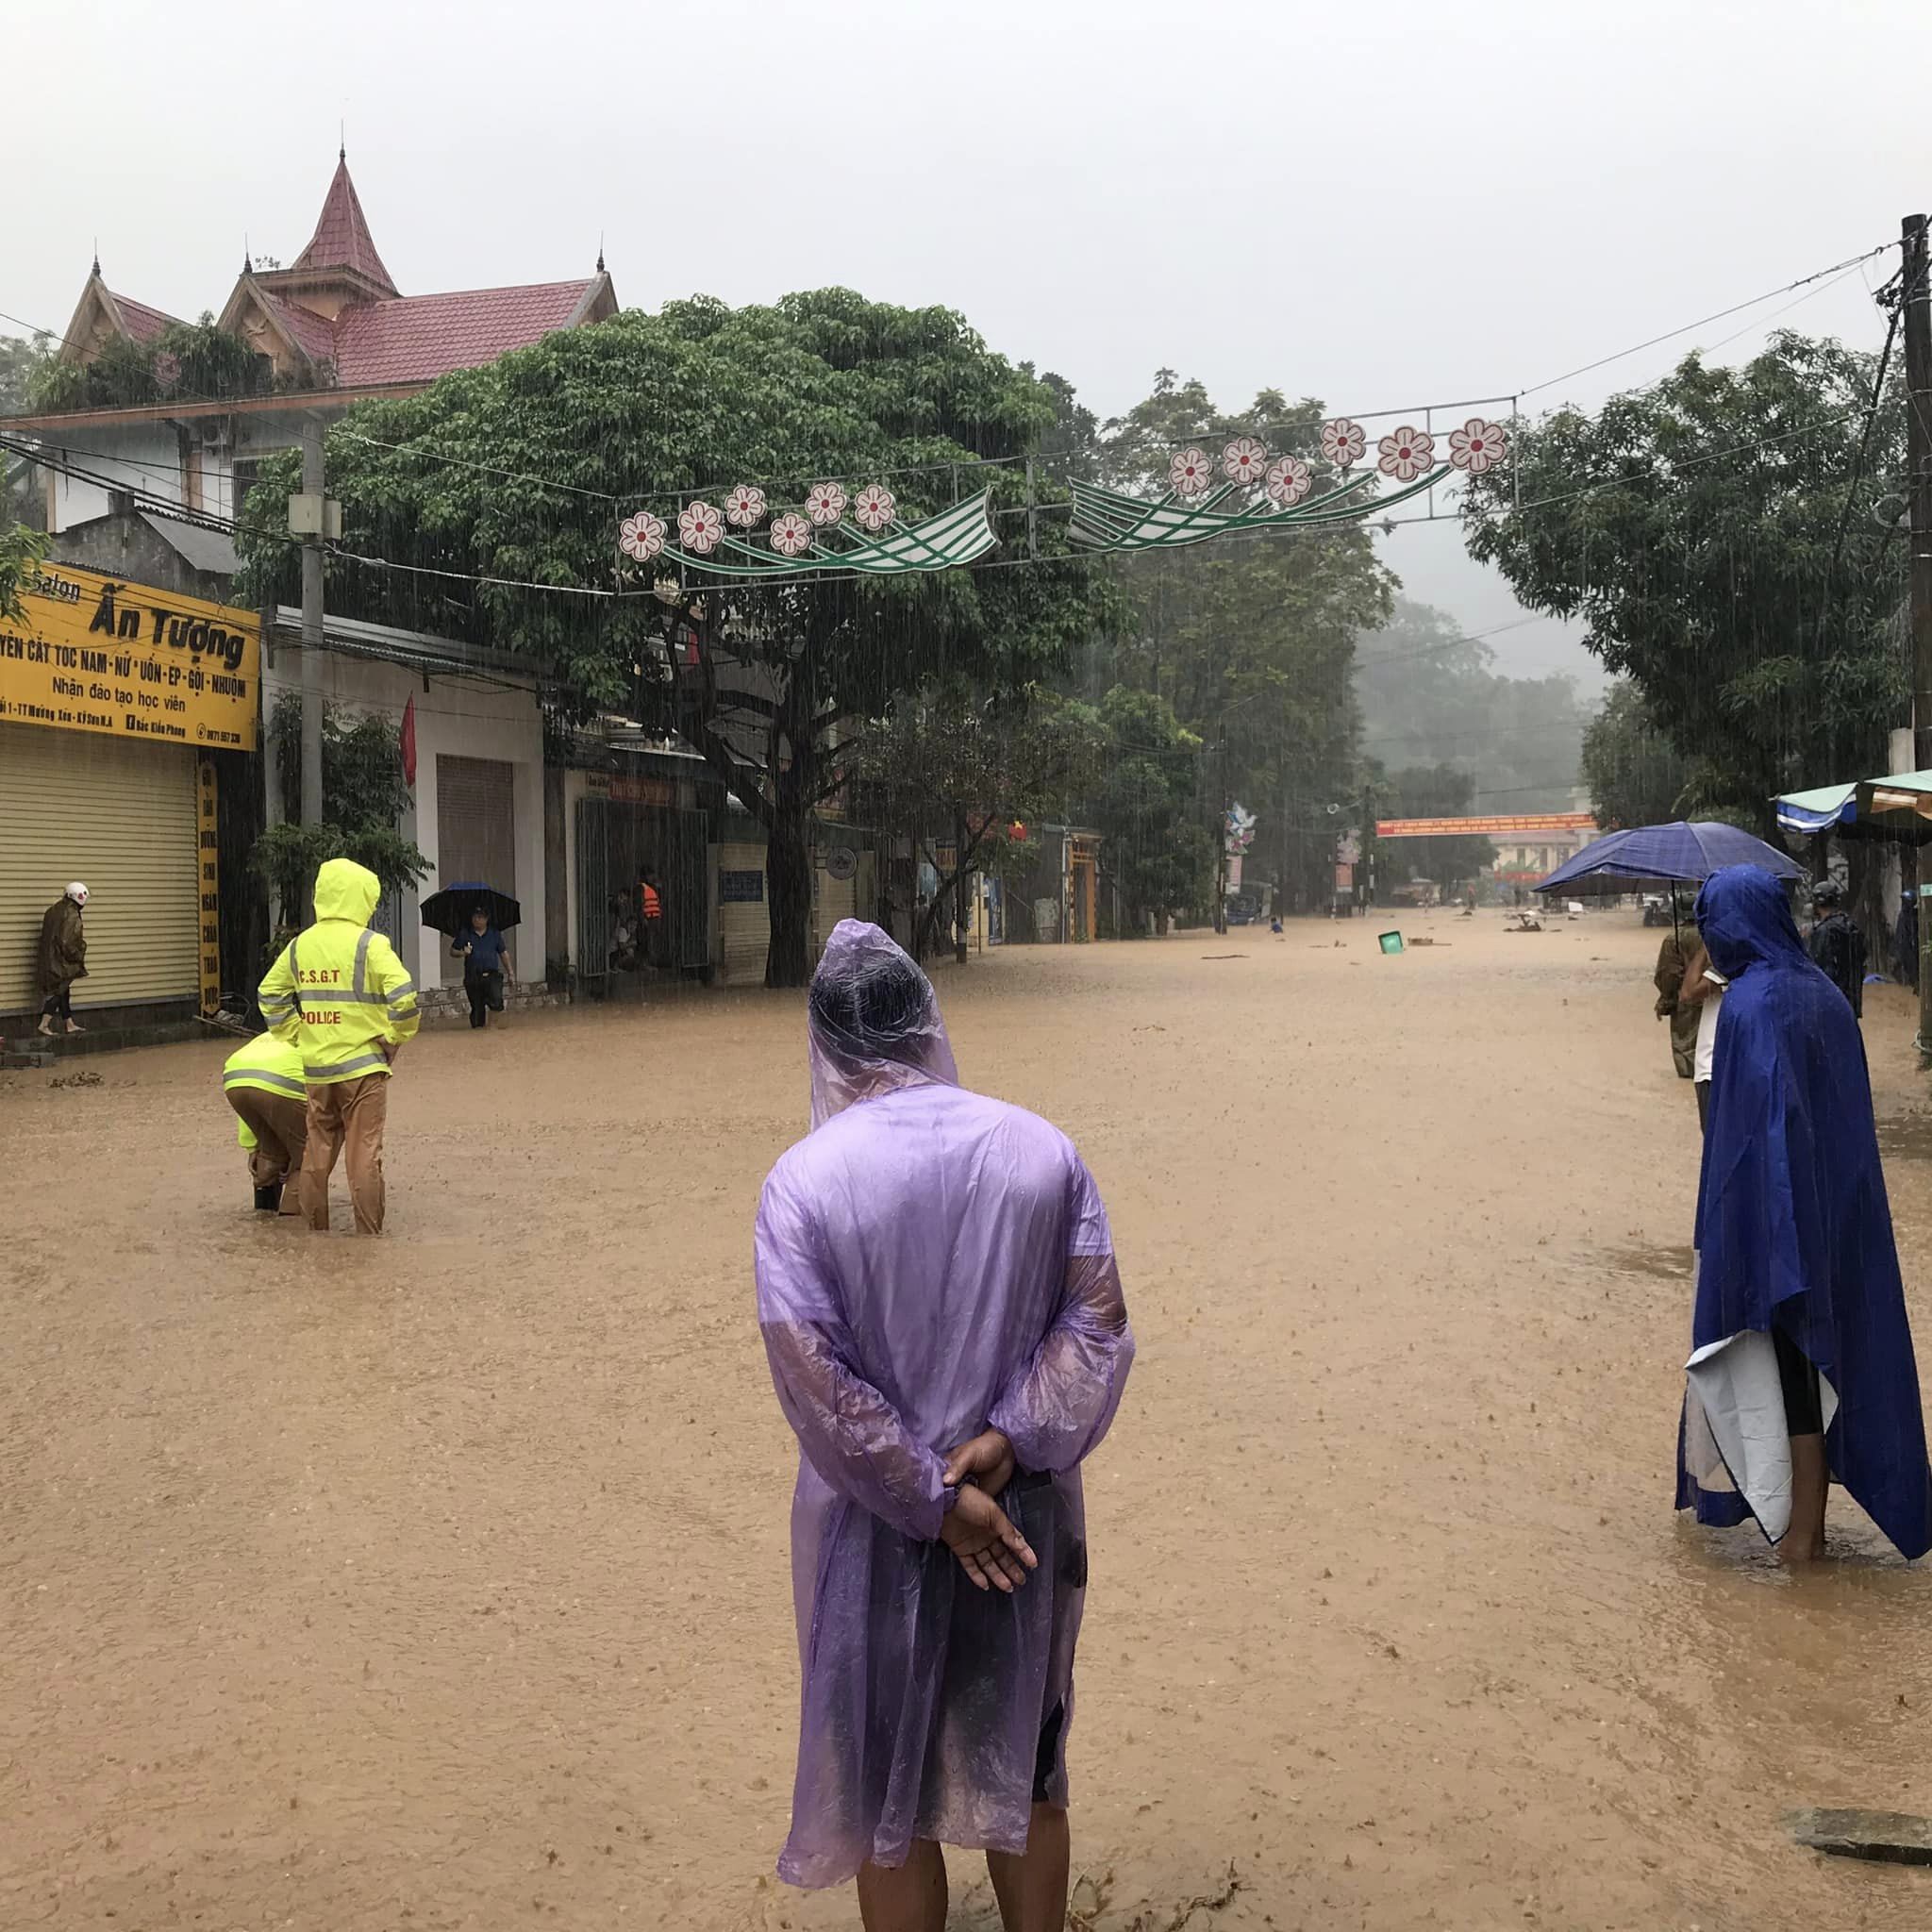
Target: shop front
123	711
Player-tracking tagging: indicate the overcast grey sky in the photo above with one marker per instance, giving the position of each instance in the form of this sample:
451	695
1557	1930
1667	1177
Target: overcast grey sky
1378	203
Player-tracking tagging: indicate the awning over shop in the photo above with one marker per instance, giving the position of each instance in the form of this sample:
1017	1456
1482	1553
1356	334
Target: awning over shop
1898	807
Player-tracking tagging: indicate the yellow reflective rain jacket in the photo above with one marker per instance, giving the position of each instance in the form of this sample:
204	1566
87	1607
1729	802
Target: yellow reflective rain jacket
268	1063
338	995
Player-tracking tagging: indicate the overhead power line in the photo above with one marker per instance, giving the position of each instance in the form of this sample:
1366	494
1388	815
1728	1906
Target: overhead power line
1851	261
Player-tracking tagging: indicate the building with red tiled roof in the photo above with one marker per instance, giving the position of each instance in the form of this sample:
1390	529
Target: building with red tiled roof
101	317
332	328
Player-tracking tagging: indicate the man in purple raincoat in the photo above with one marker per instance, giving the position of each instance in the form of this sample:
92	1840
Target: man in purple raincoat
939	1300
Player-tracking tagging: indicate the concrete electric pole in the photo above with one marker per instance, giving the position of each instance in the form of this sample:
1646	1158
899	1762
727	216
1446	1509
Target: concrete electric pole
1917	299
307	519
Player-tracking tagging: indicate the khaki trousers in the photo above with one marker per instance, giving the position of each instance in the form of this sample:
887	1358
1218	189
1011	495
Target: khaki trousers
1684	1041
346	1117
280	1125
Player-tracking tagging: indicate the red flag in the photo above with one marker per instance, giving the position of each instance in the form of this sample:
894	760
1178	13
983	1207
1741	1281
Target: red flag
407	743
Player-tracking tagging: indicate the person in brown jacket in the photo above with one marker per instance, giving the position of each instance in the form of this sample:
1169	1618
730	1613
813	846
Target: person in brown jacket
1673	960
62	959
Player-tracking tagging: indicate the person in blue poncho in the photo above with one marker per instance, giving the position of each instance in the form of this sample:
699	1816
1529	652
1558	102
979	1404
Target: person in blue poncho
1800	1371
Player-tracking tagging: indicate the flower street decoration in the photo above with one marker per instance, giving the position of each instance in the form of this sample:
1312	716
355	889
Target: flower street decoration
953	538
1189	474
745	505
699	528
641	537
1407	454
1343	442
1478	446
790	534
873	507
1107	519
1240	489
1244	460
1289	480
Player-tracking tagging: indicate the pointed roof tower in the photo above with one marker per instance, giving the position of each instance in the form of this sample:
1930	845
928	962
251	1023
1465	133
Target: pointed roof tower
340	268
341	238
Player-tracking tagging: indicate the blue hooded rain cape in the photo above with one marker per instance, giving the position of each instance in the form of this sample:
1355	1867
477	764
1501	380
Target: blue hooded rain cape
1794	1231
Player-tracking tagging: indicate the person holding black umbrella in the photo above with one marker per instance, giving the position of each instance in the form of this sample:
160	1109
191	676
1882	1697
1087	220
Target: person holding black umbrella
485	953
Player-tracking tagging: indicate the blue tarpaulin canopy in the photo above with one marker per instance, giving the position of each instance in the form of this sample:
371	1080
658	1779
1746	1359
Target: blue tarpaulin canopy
1897	807
1682	853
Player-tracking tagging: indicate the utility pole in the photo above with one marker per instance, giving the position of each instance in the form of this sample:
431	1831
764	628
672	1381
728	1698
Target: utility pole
1221	839
1917	299
961	901
309	522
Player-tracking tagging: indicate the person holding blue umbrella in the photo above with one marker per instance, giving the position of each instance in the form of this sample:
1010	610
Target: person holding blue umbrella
1801	1371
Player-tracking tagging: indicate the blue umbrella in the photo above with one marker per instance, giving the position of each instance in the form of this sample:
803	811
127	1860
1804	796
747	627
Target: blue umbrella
1684	853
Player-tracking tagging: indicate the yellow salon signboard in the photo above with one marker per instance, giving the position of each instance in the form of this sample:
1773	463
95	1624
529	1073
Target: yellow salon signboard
96	652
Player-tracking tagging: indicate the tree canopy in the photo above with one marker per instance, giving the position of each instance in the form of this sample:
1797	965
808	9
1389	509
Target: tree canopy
1635	774
520	471
1717	535
1251	642
1155	842
956	772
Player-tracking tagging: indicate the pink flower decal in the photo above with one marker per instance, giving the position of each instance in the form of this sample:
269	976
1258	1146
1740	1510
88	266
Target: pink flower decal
824	504
640	536
1343	442
1478	446
790	534
1289	481
745	505
699	528
1407	454
873	507
1243	460
1189	474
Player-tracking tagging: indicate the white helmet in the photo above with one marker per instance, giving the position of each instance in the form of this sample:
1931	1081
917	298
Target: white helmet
77	892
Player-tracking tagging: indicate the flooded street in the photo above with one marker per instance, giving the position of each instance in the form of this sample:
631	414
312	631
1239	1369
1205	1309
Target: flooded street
440	1582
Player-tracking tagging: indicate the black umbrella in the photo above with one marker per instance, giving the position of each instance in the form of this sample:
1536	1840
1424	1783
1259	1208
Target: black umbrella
449	909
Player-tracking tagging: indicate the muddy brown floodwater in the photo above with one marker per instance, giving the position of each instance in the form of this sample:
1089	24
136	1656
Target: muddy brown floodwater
439	1582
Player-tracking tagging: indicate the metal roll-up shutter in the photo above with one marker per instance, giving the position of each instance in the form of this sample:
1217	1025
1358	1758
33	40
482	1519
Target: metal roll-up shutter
745	917
476	831
593	893
119	816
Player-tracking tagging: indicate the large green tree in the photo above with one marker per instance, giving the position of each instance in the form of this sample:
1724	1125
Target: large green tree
517	475
1716	534
1155	848
955	770
1251	640
1635	773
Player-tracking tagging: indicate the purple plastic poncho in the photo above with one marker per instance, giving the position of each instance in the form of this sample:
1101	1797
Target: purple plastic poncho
930	1263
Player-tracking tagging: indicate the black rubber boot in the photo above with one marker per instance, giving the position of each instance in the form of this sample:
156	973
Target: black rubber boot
268	1200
